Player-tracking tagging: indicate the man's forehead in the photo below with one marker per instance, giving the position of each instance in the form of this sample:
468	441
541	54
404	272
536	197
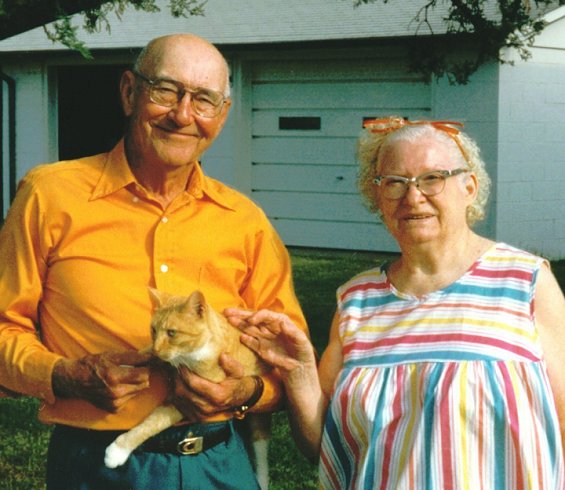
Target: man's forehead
177	63
186	49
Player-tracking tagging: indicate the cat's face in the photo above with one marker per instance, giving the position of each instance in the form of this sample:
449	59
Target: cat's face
179	328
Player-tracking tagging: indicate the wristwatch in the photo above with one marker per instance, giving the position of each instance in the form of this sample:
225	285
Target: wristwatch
240	411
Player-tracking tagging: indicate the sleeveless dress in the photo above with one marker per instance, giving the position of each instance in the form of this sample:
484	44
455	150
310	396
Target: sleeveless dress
446	391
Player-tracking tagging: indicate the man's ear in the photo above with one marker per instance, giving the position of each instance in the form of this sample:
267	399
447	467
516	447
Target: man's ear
224	114
127	92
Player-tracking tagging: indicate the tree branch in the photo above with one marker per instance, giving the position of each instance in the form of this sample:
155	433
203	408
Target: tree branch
15	16
20	15
468	26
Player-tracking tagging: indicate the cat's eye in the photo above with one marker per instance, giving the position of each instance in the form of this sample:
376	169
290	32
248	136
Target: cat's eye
171	333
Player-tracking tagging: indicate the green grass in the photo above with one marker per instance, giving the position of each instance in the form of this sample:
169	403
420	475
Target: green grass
317	275
23	445
23	440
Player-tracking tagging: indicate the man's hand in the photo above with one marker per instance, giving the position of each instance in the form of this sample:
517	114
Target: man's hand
107	380
197	398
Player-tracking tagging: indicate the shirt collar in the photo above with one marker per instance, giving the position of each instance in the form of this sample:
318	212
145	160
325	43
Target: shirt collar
116	174
201	185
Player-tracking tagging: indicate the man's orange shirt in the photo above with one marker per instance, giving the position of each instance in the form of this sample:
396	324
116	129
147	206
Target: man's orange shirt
80	247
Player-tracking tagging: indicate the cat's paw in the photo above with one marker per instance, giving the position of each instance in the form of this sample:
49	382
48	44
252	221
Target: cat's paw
115	456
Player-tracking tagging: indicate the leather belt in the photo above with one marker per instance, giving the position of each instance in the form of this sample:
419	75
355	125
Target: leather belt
188	439
194	442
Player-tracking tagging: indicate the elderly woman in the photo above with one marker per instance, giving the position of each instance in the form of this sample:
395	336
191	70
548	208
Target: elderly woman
444	368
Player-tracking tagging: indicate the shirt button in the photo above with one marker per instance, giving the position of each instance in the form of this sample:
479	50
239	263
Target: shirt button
164	219
164	268
135	199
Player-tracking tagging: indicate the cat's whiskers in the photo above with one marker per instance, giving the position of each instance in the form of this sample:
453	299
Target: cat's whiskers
188	358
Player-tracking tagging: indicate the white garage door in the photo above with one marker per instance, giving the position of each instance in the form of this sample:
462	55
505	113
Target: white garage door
307	116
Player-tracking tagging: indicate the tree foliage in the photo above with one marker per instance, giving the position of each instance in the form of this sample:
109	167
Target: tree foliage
18	16
472	26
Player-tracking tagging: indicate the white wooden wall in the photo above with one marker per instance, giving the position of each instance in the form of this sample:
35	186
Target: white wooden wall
36	128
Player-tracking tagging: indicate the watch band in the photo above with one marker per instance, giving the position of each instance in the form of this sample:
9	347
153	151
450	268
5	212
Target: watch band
240	412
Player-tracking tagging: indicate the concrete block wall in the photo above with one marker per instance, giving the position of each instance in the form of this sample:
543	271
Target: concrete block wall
531	155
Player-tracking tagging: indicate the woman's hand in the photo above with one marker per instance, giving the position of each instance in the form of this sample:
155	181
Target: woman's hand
274	338
283	345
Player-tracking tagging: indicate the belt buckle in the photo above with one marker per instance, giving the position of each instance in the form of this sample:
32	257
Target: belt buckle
190	444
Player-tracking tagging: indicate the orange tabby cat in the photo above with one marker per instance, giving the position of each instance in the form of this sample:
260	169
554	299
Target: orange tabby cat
187	331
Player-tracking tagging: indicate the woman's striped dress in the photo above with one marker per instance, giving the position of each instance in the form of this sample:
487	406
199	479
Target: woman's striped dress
446	391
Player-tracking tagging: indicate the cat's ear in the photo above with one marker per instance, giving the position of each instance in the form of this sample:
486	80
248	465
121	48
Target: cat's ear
197	303
157	297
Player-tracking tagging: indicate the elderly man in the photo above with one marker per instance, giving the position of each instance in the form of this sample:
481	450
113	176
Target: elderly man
82	243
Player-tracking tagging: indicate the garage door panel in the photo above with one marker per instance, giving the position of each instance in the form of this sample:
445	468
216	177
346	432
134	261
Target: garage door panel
314	206
358	236
338	123
304	178
347	95
312	151
333	123
336	70
307	116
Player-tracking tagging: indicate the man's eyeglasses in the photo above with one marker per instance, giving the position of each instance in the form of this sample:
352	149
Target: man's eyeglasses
169	93
429	184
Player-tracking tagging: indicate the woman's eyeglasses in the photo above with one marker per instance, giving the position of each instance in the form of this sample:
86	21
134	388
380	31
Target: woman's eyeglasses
429	183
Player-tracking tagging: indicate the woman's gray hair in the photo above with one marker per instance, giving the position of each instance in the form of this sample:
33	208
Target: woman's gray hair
371	147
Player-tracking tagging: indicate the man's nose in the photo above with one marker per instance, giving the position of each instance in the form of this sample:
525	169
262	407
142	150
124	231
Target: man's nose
183	112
